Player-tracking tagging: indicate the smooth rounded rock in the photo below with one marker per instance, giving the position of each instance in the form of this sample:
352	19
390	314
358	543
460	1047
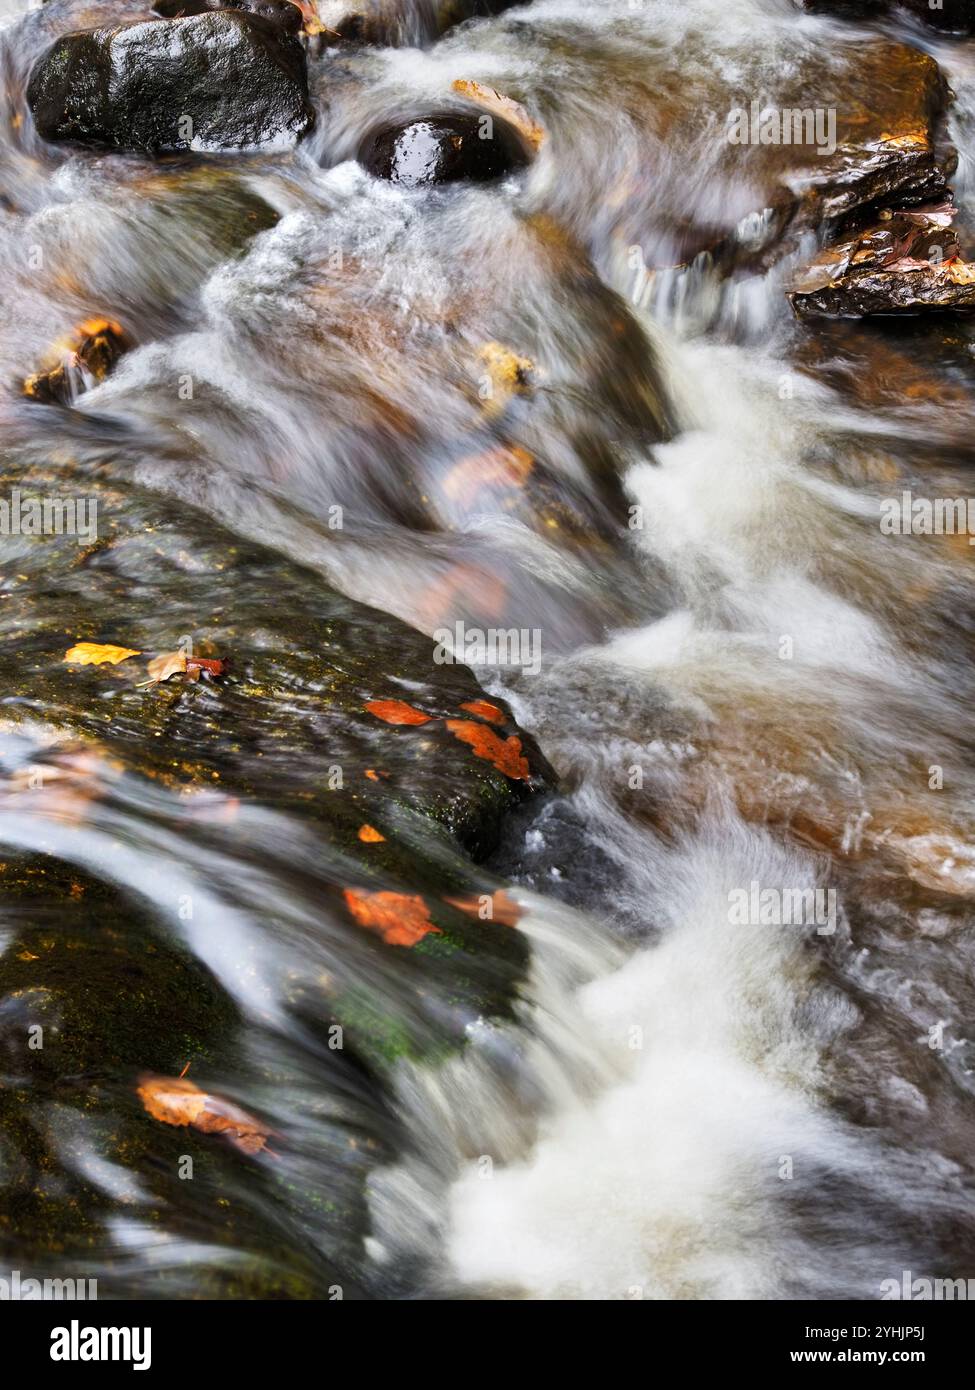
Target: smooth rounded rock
213	81
443	149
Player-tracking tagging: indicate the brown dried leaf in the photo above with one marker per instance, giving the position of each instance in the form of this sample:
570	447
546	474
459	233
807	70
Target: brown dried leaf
160	668
175	1100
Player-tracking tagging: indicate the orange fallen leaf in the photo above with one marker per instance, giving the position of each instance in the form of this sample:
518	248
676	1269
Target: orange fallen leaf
97	654
504	754
401	920
437	604
370	835
502	467
175	1100
397	712
207	666
495	907
484	710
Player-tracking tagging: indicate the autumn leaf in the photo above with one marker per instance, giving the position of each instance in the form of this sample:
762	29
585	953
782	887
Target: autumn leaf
311	24
484	710
401	920
175	1100
208	666
495	907
160	668
397	712
498	468
504	754
97	654
370	835
436	604
505	107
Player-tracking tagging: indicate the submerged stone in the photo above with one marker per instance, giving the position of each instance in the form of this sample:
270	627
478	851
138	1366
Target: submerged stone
81	363
443	149
213	81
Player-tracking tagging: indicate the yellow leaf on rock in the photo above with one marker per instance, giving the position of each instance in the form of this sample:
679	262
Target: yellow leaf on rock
98	654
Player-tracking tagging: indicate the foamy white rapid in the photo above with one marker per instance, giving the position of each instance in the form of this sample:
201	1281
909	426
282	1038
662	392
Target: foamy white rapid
678	1136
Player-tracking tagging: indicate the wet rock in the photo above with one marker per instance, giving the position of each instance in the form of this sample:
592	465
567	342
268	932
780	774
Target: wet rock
443	149
215	81
305	649
907	262
281	14
81	363
950	16
827	140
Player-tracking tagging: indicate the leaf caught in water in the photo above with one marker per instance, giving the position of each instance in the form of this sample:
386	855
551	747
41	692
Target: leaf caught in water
490	907
504	754
160	668
175	1100
370	835
484	710
204	665
97	654
401	920
504	467
397	712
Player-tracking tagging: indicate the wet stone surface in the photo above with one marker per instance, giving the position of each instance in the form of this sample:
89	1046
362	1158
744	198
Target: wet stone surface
214	81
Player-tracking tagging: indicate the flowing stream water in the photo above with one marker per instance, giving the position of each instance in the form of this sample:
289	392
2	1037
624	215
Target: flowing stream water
742	680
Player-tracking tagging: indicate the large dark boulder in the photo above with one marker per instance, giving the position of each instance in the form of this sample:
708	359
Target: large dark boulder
443	149
212	81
